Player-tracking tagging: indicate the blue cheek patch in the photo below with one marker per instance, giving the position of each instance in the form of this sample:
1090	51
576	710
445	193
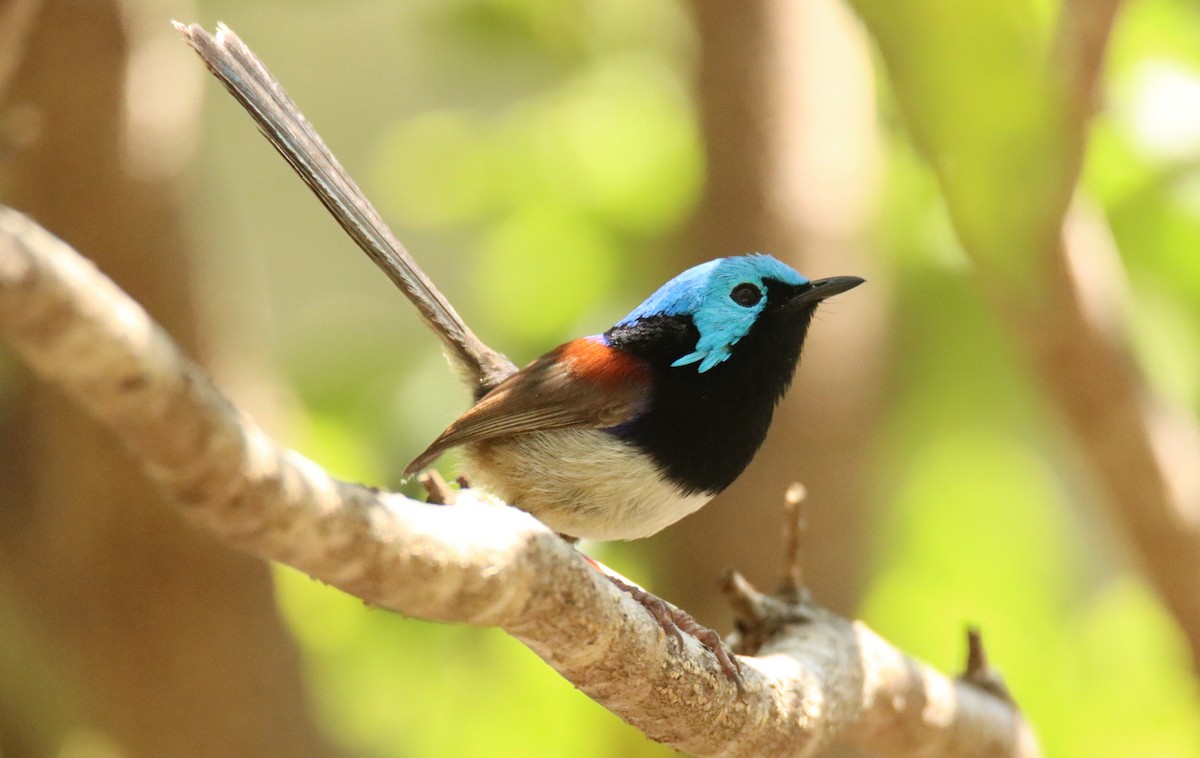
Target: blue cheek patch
702	292
720	330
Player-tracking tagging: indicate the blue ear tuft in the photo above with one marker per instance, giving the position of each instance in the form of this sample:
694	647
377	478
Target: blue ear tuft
706	358
690	358
713	358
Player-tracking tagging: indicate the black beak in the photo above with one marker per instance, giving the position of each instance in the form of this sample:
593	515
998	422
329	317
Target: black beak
819	289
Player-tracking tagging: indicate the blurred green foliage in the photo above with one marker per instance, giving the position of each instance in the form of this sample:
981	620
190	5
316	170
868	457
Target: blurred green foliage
538	156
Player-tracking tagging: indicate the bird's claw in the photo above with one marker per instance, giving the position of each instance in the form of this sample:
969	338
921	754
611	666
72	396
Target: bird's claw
676	622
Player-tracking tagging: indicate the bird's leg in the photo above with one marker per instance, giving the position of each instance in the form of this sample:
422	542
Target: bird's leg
676	622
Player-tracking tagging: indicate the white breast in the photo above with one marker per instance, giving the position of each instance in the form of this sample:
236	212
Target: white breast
580	482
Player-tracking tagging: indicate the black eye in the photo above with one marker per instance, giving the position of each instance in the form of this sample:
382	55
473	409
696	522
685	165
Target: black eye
746	294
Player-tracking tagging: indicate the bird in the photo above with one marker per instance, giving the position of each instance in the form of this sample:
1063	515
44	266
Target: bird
613	436
618	435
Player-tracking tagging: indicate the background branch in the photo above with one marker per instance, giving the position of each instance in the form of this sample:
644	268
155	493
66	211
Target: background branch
1051	269
475	561
17	19
118	622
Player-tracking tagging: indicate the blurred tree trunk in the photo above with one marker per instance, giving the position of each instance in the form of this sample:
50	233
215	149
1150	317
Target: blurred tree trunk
787	107
144	630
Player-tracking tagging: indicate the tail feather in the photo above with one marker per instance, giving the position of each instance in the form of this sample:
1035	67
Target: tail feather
281	122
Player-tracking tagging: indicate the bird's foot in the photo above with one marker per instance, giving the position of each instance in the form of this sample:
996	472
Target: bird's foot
677	622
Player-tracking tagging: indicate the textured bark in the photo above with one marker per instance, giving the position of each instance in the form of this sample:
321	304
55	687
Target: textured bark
787	109
815	677
155	634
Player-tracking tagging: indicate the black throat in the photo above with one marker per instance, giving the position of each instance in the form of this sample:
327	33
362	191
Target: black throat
703	429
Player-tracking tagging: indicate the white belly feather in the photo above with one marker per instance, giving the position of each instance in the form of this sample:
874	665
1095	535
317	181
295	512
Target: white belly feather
600	488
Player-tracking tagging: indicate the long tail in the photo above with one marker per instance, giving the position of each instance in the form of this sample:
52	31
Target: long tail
281	122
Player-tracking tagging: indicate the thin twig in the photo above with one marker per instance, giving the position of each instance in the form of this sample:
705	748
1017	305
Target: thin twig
440	493
792	587
979	673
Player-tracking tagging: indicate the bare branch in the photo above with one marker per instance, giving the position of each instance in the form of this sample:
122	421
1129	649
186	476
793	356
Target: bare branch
979	672
792	585
1068	314
1143	449
17	18
1080	45
475	561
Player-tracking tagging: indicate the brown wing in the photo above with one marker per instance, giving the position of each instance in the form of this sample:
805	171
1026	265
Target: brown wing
584	383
